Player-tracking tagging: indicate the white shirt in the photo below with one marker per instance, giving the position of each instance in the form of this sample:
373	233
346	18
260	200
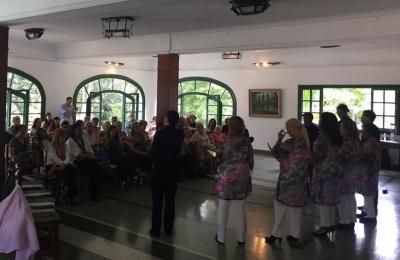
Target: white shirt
73	149
53	158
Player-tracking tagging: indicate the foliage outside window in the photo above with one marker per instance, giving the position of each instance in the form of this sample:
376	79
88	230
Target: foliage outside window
206	98
381	99
25	97
105	96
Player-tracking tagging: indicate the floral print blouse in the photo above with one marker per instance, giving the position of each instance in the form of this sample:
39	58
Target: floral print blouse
293	161
326	176
233	181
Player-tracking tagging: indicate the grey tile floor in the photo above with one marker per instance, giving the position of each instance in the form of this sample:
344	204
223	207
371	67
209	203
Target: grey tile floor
117	227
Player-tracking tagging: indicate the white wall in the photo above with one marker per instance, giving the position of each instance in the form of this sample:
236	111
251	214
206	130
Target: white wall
60	80
288	79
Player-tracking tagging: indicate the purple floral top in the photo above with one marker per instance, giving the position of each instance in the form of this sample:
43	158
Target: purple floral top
349	155
326	177
371	164
292	183
233	181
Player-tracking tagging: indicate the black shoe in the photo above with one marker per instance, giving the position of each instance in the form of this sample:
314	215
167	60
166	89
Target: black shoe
293	241
241	243
322	231
219	242
271	240
154	233
168	232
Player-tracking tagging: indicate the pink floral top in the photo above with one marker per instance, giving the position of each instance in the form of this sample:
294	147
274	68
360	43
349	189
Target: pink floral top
293	161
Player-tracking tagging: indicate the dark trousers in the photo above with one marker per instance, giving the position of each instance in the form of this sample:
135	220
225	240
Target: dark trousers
160	191
92	168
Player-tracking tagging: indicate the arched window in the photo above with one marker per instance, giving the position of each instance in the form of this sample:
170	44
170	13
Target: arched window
105	96
24	98
206	98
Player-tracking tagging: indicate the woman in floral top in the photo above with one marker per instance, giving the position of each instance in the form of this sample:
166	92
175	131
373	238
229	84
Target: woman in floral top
371	162
291	191
349	158
325	182
233	183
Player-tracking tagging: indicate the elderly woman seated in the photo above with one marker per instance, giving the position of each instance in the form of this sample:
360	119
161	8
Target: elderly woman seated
204	146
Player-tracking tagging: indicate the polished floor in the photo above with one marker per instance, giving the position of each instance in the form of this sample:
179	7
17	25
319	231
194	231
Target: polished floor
117	227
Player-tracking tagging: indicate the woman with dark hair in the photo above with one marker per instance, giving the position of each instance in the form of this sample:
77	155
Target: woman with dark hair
349	159
212	123
371	164
54	125
35	126
80	154
233	183
325	182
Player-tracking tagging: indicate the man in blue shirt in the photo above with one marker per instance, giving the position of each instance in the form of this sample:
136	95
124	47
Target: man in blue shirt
130	123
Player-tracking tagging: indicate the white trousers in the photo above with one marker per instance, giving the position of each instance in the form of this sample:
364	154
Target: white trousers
238	208
347	208
369	206
327	215
287	220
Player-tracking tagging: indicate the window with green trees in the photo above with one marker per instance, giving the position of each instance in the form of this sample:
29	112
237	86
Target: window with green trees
105	96
25	97
206	98
382	99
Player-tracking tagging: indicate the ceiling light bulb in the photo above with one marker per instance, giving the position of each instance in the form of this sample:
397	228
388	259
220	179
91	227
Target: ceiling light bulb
257	64
265	64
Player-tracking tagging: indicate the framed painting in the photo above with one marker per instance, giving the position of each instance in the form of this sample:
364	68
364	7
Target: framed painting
265	102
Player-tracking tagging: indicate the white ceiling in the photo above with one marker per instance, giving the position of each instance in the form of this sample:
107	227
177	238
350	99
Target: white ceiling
162	16
381	52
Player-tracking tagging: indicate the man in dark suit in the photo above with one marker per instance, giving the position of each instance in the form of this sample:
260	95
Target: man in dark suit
312	129
164	153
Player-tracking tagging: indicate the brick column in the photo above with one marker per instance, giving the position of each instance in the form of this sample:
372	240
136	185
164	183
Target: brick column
167	84
3	87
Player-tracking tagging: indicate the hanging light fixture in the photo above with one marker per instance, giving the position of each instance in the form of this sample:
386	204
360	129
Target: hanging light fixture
117	26
34	33
249	7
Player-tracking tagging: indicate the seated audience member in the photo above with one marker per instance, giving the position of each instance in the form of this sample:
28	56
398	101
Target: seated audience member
203	145
152	128
89	134
115	153
96	128
130	123
192	121
118	125
138	146
40	144
182	123
225	128
35	126
86	119
114	120
54	125
46	121
18	145
16	120
66	125
103	135
212	123
80	154
58	169
190	164
218	138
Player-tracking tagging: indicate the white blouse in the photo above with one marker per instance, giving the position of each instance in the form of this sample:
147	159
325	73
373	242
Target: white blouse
53	158
73	149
